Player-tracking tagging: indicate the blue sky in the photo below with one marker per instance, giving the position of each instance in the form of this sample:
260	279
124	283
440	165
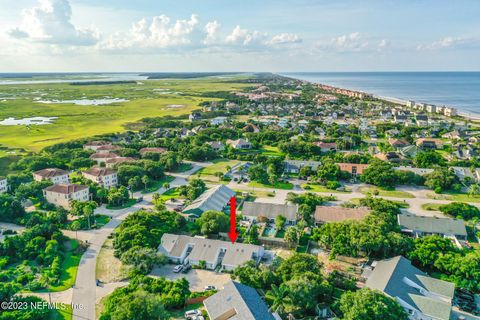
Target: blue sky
213	35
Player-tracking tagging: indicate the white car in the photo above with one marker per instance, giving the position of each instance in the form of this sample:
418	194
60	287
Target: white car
178	268
209	288
192	314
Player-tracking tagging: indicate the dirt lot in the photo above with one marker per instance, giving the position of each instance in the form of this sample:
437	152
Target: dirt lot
197	278
109	268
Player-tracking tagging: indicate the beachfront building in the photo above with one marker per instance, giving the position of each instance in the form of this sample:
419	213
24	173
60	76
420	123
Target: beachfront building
104	177
3	185
55	175
61	195
216	198
254	211
294	166
181	249
422	297
237	301
421	226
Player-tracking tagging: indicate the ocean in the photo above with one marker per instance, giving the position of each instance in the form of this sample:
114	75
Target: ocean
455	89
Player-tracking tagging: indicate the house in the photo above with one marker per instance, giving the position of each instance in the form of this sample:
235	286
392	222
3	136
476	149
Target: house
464	173
326	146
104	177
107	148
237	301
3	185
294	166
53	174
218	121
152	150
421	226
216	198
216	145
389	156
353	168
392	133
62	194
326	214
409	151
103	157
110	163
251	128
419	171
94	145
239	144
400	118
428	143
421	296
194	116
398	143
183	249
455	134
253	210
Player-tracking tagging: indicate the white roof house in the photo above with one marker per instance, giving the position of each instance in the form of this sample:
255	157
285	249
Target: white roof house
191	250
215	198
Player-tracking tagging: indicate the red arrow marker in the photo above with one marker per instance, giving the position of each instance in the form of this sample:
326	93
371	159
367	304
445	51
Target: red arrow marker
233	235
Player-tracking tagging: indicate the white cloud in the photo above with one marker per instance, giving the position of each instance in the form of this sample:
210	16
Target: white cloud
284	38
50	22
351	43
450	42
211	29
244	36
158	32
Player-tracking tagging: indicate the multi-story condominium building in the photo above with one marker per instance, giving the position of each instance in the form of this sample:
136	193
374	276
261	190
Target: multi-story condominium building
62	194
55	175
105	177
3	185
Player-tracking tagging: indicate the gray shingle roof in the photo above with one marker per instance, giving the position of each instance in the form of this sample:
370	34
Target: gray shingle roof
270	210
237	302
432	224
397	278
213	199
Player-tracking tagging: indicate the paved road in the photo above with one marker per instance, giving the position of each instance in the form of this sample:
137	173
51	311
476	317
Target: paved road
85	289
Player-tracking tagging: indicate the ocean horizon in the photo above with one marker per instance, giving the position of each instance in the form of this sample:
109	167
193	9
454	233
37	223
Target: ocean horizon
455	89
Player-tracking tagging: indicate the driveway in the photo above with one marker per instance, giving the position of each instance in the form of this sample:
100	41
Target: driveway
197	278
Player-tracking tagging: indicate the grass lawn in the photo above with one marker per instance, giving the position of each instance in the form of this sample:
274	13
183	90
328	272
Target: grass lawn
277	185
101	220
64	312
431	206
460	197
388	193
69	268
177	97
320	188
218	166
127	204
170	194
155	185
271	151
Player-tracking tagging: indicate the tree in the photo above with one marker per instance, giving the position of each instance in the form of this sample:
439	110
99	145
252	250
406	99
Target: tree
379	173
329	171
428	159
143	259
145	181
280	222
441	179
278	297
137	305
213	222
258	173
292	237
367	304
474	190
305	172
461	210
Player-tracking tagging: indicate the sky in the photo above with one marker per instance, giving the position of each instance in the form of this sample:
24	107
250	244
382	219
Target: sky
246	35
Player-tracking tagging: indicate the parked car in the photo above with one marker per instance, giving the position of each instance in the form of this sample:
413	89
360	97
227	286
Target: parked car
192	314
178	268
186	268
209	288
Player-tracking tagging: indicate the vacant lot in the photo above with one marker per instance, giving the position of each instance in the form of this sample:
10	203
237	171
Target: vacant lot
388	193
109	268
197	278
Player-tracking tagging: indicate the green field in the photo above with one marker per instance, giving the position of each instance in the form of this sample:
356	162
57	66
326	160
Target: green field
320	188
459	197
277	185
151	98
431	206
69	268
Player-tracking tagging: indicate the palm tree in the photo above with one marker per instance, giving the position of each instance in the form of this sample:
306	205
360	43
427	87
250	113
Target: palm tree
279	298
474	190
